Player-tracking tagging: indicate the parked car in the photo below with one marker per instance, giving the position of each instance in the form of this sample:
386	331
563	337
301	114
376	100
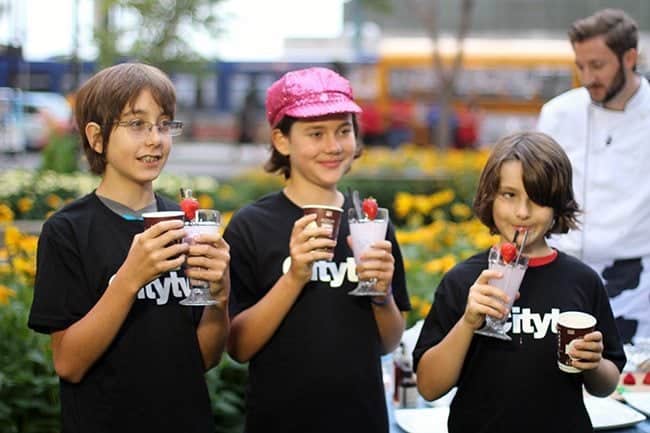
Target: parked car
12	137
43	111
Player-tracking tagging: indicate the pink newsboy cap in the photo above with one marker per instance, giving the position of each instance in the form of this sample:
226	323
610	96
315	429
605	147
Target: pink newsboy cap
310	92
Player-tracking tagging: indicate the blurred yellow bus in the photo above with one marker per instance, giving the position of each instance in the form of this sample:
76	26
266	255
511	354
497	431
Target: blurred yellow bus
507	79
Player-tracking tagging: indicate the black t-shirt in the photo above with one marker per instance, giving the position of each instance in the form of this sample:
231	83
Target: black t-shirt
320	371
151	377
515	386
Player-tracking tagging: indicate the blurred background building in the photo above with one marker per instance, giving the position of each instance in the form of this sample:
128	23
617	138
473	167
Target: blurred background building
516	56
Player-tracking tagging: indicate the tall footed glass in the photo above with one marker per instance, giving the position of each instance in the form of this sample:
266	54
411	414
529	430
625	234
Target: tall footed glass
513	274
206	221
365	232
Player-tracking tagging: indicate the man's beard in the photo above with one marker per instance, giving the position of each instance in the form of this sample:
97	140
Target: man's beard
617	86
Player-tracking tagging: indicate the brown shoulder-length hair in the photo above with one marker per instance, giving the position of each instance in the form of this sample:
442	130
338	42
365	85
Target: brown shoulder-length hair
547	178
106	94
619	30
279	163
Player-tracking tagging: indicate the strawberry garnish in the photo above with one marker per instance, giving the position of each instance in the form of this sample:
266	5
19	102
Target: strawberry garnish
369	207
508	251
189	205
629	379
646	378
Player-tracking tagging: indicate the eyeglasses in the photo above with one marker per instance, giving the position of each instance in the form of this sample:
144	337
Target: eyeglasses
141	128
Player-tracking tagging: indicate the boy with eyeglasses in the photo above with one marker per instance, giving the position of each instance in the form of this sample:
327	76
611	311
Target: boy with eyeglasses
129	357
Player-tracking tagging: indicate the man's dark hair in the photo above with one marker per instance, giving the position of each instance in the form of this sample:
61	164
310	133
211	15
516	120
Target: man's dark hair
620	31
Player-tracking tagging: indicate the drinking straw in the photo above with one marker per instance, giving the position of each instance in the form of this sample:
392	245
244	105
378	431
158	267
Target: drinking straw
354	195
523	242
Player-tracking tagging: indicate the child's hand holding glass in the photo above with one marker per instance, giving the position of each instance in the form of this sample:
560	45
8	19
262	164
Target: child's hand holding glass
485	300
208	258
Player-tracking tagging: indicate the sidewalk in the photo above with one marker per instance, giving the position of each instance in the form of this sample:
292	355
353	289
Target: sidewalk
220	160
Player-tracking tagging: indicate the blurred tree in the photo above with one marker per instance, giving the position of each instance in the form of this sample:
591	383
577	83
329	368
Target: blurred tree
358	7
156	30
445	76
384	6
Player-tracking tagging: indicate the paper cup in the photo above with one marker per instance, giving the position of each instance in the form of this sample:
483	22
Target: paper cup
151	218
571	326
326	216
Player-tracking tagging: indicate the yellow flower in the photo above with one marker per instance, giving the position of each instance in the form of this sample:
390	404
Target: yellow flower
433	266
5	294
5	269
442	198
226	217
24	266
422	204
484	240
25	204
403	204
424	309
6	214
28	245
12	237
404	237
53	201
226	192
416	301
205	201
440	264
448	261
461	210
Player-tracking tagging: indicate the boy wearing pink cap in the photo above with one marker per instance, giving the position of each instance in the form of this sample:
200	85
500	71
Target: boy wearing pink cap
313	350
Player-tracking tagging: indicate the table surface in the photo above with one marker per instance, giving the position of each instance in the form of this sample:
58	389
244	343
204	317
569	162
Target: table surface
642	427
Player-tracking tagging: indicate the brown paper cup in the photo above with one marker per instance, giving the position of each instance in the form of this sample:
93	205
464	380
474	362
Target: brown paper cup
326	216
151	218
571	326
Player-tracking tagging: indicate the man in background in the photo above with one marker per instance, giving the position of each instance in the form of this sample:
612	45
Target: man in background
604	127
